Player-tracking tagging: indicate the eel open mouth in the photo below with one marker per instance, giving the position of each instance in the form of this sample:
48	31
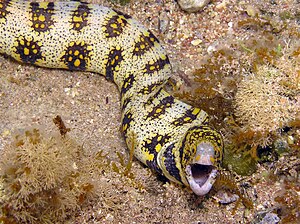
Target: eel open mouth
201	173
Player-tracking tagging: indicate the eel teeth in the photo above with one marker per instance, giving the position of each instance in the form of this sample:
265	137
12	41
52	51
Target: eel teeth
201	173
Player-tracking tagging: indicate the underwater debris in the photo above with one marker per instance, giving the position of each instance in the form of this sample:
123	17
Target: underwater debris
61	125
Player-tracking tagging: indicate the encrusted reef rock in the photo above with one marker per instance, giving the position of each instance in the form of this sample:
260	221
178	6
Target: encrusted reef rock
192	5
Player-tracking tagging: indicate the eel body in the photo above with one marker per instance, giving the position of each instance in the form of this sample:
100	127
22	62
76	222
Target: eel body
170	136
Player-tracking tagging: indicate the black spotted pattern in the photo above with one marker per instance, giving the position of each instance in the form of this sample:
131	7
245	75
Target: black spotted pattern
208	134
127	120
203	133
150	88
153	146
161	107
114	59
80	16
146	41
192	135
115	25
42	16
3	11
77	56
125	102
127	83
170	163
156	66
28	50
188	117
122	14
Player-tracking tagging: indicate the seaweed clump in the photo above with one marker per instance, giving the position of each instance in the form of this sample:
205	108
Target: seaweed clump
124	168
288	202
214	84
122	2
49	178
264	104
43	179
250	85
256	108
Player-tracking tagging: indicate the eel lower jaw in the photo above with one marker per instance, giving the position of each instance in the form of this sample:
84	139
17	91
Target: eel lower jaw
201	177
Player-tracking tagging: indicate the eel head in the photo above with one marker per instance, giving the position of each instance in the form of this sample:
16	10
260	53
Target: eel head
205	155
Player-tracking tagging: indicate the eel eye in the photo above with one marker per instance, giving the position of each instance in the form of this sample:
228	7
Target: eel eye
201	173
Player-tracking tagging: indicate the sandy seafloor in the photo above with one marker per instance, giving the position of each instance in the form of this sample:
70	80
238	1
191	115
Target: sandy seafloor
89	105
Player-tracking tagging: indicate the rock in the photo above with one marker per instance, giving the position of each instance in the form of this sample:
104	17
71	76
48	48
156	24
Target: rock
225	197
252	11
192	5
196	42
266	218
164	22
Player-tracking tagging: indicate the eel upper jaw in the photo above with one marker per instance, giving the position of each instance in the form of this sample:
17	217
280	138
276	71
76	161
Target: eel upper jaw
201	173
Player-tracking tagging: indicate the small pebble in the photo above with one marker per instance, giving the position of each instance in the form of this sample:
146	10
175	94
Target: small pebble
266	218
196	42
290	140
5	133
109	217
192	5
270	218
211	49
225	197
252	11
222	5
164	22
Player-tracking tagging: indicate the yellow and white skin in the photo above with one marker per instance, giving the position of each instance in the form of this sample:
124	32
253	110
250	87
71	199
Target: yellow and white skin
171	137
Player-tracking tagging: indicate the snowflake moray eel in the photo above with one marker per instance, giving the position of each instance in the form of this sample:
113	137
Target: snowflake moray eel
171	137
